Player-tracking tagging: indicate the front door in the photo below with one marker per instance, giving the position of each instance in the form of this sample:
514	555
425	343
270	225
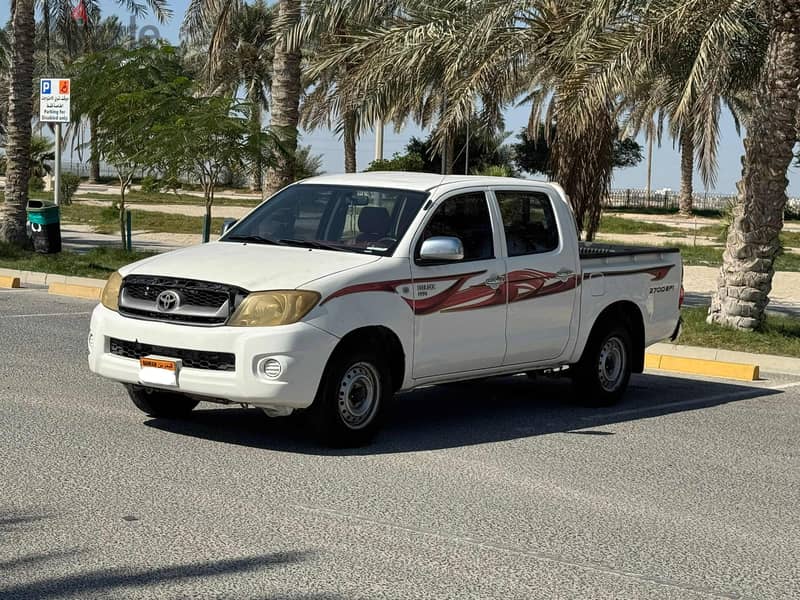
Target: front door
460	306
542	277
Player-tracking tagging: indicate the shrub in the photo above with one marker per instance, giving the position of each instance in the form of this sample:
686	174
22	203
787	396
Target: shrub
35	184
151	185
69	185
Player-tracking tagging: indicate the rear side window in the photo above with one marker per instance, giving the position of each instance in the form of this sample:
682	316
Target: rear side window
466	217
529	222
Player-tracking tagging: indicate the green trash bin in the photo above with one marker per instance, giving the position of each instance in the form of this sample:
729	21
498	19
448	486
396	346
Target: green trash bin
44	223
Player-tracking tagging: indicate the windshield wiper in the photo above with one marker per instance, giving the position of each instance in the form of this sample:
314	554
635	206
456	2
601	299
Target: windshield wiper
315	244
255	239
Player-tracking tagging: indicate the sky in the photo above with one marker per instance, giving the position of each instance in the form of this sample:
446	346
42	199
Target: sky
666	159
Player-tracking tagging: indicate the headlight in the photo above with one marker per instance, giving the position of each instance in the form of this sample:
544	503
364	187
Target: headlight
110	296
264	309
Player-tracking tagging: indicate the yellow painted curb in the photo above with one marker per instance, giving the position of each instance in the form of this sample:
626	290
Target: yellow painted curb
699	366
9	282
76	291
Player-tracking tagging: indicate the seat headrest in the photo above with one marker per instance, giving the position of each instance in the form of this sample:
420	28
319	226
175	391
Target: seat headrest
374	219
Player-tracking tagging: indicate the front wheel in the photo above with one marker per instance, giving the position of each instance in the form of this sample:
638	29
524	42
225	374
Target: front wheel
354	391
604	370
161	403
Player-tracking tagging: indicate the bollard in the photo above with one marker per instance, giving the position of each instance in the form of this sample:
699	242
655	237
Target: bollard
128	219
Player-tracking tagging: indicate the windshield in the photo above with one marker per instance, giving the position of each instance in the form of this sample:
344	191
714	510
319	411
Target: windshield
335	217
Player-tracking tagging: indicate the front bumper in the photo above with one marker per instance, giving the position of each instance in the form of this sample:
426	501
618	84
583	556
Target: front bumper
302	350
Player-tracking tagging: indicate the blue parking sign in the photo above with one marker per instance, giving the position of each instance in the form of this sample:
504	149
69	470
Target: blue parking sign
46	87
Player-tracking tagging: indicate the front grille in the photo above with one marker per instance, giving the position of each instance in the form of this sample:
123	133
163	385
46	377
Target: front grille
201	302
194	295
192	359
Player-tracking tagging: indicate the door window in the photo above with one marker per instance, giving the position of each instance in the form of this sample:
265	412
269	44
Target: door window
467	218
529	222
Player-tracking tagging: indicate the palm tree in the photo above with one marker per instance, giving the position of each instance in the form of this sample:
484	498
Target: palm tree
12	211
443	56
286	90
243	60
728	42
214	19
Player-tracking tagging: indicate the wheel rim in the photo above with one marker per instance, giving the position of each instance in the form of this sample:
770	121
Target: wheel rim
611	364
359	391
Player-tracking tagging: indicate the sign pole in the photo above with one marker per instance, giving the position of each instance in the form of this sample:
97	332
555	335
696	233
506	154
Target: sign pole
57	184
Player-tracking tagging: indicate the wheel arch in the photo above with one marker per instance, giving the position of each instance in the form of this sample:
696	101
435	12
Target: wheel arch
631	315
381	337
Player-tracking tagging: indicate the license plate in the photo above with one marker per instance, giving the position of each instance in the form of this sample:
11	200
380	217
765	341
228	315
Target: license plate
156	370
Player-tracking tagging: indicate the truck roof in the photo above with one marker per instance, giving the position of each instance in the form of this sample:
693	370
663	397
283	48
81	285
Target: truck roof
411	181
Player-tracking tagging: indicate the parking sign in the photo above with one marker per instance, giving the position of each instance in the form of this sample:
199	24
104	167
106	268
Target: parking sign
54	101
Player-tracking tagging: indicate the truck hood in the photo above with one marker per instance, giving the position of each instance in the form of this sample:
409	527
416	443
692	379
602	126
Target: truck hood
252	267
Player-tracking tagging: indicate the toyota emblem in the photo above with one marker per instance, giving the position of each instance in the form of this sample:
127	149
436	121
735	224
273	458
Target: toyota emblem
168	300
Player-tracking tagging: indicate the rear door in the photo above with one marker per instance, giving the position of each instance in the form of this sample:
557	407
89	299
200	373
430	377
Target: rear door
459	307
542	276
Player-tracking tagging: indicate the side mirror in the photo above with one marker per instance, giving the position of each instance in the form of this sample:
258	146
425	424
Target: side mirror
442	248
227	225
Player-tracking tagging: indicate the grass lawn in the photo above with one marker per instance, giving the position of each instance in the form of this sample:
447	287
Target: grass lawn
780	335
711	256
611	224
139	197
106	220
98	262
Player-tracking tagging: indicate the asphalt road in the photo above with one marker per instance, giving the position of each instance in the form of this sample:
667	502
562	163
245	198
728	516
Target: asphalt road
503	489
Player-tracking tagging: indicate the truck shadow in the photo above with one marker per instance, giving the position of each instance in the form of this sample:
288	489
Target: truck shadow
470	413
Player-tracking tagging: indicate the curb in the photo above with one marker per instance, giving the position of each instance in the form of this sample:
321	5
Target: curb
9	282
700	366
74	290
769	363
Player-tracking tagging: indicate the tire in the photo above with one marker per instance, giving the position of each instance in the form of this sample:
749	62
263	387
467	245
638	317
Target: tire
602	375
350	403
161	403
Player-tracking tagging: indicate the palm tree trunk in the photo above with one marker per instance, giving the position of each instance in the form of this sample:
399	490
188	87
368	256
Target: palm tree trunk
94	153
257	174
286	89
582	161
18	130
349	136
748	266
687	170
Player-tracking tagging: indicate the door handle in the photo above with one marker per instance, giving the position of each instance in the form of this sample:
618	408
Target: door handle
495	281
564	274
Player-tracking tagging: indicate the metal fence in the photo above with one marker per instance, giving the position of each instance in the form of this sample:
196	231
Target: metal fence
668	200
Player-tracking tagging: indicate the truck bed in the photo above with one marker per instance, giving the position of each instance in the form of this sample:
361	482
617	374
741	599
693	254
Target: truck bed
590	250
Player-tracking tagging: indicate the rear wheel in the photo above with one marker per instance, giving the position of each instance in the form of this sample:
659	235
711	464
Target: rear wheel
161	403
604	370
351	399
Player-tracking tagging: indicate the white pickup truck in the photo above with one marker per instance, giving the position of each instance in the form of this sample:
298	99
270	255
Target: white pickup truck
341	290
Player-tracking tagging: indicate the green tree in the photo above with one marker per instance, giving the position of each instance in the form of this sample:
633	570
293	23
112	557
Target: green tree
241	59
135	95
727	44
532	155
211	136
217	16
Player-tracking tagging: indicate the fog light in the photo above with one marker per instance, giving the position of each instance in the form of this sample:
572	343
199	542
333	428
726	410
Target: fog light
270	368
89	341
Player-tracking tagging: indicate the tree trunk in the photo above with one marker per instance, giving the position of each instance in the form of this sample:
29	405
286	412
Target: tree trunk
123	185
687	170
748	266
94	153
257	172
18	130
582	161
349	136
286	90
